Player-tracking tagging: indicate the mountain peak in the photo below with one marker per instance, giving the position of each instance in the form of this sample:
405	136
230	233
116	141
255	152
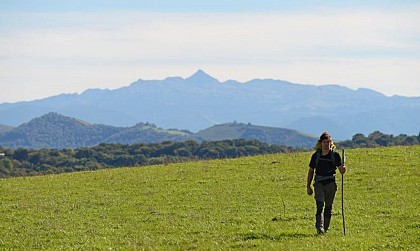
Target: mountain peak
201	76
56	118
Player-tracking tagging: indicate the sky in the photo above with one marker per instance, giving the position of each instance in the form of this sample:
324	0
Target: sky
50	47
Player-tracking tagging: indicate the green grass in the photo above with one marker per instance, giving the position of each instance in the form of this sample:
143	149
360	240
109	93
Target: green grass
247	203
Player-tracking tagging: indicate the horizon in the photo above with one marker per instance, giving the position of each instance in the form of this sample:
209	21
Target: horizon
57	47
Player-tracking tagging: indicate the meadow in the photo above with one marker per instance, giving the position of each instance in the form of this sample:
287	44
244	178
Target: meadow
255	203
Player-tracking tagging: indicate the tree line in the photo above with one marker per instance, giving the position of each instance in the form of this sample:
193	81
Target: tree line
28	162
377	139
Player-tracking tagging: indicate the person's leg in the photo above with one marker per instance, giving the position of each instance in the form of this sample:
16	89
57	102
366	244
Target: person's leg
319	223
327	217
330	190
319	199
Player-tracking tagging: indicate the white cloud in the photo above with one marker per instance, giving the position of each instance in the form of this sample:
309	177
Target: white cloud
376	50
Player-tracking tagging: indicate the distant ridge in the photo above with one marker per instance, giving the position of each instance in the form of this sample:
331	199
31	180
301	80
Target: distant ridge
270	135
53	130
201	101
5	128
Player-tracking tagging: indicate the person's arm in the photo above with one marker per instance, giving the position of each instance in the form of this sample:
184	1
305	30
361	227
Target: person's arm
341	166
309	181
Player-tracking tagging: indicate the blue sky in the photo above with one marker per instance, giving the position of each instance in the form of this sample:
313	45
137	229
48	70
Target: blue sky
51	47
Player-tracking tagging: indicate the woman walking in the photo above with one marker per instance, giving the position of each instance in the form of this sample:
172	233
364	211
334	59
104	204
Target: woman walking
323	164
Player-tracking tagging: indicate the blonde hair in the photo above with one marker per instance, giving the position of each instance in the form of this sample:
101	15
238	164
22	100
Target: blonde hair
324	135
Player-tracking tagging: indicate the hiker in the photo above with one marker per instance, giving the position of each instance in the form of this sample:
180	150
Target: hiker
324	163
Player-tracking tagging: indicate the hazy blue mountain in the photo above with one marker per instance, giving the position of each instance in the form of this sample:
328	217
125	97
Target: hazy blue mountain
201	101
5	128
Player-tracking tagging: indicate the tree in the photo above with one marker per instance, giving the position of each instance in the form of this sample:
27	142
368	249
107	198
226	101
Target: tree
20	154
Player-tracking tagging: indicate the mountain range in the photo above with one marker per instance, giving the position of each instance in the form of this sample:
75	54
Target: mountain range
53	130
201	101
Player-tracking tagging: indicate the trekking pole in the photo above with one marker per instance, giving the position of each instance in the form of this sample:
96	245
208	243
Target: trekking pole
342	193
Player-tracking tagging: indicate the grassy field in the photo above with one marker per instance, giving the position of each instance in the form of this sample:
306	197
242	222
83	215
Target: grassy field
247	203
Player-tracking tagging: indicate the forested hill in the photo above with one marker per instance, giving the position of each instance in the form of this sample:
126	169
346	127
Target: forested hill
57	131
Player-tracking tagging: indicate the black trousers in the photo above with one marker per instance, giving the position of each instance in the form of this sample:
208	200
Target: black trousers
324	197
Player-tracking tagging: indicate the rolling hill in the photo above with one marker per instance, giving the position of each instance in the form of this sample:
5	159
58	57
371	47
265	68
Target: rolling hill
269	135
53	130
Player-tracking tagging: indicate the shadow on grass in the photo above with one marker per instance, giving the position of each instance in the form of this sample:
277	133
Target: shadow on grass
273	237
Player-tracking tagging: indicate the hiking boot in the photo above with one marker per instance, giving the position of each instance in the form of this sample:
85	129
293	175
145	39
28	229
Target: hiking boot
320	230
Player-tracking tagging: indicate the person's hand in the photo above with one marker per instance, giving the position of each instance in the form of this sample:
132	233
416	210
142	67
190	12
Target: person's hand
342	169
309	191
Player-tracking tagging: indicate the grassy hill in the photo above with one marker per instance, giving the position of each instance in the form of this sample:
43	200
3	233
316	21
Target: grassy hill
270	135
253	203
